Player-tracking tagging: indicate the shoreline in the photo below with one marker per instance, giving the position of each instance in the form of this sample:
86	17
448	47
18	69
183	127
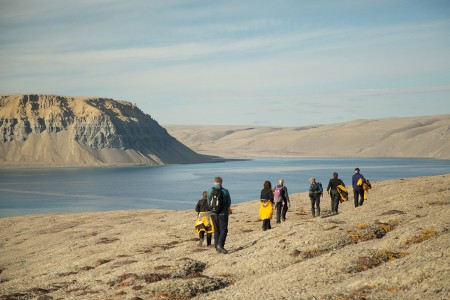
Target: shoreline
9	166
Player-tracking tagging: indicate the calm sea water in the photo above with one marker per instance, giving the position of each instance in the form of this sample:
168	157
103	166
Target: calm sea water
36	191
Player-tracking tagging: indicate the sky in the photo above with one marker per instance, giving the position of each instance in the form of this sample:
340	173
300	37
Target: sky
268	63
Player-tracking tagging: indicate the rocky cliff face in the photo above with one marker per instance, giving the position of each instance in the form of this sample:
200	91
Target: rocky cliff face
59	130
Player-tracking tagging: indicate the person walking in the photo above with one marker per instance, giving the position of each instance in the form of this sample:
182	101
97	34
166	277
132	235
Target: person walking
266	205
219	201
282	202
315	192
204	224
358	190
333	192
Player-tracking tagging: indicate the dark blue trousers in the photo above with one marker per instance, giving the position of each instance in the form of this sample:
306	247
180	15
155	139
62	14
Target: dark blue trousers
358	192
220	229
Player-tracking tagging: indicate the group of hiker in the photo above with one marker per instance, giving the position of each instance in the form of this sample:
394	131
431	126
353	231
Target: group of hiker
214	207
338	192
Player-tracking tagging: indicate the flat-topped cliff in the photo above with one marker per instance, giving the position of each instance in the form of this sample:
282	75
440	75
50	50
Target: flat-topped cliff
66	131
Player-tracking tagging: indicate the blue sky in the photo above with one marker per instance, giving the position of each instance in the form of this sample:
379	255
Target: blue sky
277	63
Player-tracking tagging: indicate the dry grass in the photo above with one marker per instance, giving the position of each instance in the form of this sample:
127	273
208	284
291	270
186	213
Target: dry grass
426	234
375	259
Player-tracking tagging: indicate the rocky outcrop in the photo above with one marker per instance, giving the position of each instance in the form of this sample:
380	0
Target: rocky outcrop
58	130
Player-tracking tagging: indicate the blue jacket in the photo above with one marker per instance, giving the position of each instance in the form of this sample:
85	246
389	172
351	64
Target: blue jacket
226	196
355	179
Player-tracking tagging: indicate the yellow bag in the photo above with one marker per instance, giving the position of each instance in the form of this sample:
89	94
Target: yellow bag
343	193
204	223
265	210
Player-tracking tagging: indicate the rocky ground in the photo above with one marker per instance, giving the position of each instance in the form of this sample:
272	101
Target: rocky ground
396	246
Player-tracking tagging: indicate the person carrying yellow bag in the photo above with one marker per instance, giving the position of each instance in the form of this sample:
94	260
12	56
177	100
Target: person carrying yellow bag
332	190
266	205
358	191
204	223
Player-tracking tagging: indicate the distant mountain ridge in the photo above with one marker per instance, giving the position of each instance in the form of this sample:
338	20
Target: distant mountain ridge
425	136
66	131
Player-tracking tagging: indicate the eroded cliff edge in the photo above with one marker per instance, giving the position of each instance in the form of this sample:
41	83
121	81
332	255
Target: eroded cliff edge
56	130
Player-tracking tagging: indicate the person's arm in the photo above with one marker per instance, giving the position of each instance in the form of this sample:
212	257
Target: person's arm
209	197
286	194
271	196
329	186
197	207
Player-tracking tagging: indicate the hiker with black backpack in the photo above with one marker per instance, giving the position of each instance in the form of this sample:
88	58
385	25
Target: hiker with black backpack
219	201
315	192
204	224
282	202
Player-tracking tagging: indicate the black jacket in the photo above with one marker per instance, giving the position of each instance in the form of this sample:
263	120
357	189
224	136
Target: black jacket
202	205
334	182
267	195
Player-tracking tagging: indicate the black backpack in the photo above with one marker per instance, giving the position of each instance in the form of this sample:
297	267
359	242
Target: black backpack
217	201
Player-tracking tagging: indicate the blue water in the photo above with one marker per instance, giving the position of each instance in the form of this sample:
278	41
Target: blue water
36	191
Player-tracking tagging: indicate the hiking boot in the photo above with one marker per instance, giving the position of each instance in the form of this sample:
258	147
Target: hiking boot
200	243
222	250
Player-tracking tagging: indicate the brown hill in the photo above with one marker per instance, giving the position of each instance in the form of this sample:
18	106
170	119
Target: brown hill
427	136
396	246
74	131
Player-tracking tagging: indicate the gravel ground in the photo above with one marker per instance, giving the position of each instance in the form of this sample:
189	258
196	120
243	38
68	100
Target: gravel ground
396	246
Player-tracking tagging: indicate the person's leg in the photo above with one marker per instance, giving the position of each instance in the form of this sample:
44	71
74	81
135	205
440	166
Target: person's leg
223	225
355	197
313	201
285	209
334	201
361	197
278	212
318	205
208	239
265	224
337	197
201	238
216	229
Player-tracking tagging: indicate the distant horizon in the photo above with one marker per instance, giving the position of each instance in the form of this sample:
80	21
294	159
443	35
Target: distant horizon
269	63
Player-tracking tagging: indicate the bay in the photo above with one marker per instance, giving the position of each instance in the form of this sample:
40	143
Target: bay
179	187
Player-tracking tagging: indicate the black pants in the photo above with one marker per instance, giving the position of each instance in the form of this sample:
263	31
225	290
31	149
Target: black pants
201	235
334	201
282	209
315	204
358	192
266	224
220	230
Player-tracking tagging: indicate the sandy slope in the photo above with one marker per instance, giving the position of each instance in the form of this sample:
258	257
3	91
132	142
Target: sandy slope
396	246
427	136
